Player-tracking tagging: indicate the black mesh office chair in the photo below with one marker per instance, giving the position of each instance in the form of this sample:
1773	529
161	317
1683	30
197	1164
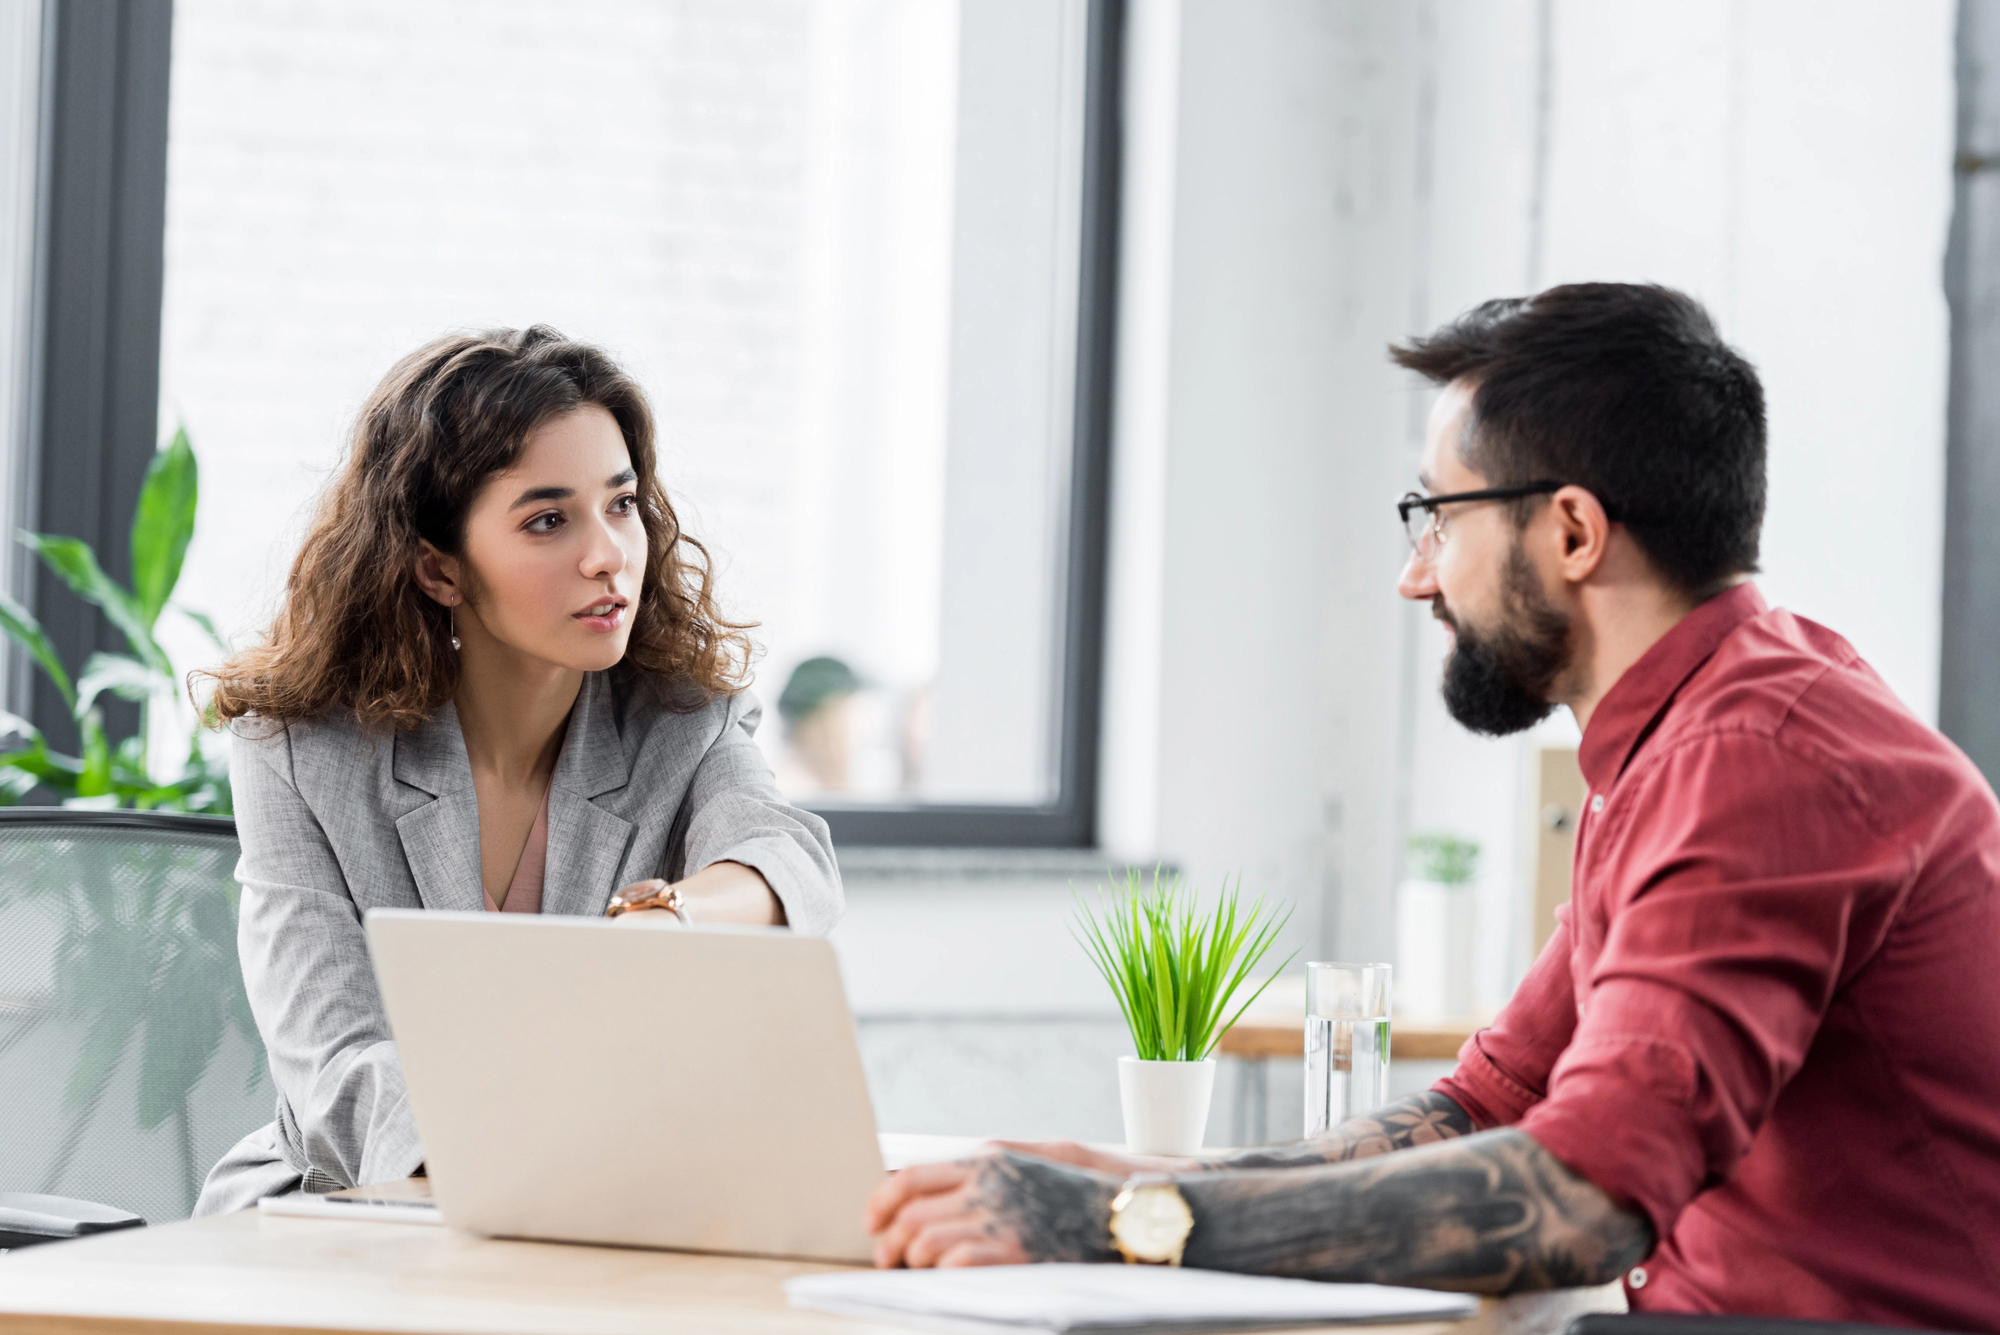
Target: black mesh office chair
128	1058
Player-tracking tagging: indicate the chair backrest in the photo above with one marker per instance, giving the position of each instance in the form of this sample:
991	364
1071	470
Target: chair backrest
128	1058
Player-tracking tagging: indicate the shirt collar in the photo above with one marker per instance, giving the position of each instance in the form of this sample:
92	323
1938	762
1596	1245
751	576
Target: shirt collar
1626	715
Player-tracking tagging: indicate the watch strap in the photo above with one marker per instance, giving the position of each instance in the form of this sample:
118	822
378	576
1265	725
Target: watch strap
660	896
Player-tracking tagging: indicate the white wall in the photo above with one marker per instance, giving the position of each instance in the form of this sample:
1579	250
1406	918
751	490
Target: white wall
1272	698
1789	165
1278	665
1254	550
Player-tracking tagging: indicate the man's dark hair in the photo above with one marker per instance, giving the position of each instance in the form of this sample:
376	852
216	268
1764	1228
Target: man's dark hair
1627	391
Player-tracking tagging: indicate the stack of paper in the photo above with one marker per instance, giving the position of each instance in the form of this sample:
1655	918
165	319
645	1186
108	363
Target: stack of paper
1130	1300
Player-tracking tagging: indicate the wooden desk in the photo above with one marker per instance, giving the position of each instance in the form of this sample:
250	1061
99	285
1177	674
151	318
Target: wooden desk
247	1272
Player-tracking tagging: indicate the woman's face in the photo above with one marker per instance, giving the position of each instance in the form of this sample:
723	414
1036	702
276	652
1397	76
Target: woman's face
554	548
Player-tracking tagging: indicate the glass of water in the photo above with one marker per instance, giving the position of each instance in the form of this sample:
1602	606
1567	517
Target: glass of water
1347	1042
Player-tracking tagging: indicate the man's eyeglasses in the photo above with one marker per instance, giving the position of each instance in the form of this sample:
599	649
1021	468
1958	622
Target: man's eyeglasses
1425	525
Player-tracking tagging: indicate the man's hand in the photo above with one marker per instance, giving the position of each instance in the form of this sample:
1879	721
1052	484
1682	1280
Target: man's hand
1002	1208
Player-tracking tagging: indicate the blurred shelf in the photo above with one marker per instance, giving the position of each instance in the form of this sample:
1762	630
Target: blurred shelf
1271	1035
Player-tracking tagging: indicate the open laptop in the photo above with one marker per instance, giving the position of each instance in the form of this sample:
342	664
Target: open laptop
585	1081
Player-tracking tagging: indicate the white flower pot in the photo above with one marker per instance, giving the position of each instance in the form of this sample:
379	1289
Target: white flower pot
1166	1104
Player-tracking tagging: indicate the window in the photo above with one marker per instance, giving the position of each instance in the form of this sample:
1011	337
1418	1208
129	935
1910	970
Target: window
858	251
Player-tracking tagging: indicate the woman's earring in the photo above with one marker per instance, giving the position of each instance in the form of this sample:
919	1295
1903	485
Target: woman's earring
454	629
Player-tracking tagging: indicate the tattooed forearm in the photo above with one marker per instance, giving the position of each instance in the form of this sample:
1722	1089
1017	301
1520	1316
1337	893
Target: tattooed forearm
1492	1212
1487	1213
1060	1213
1420	1119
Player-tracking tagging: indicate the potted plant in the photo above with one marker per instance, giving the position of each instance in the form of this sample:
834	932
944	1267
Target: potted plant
128	774
1174	971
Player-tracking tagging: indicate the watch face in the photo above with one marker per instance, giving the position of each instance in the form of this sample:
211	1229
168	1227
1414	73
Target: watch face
647	894
1153	1223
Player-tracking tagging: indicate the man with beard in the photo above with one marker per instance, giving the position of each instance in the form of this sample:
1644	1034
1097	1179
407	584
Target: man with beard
1757	1069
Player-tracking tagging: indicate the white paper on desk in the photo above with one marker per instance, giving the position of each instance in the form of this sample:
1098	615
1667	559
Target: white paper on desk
373	1209
1131	1300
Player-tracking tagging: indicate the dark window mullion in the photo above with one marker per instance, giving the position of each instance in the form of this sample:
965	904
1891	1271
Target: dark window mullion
101	263
1071	821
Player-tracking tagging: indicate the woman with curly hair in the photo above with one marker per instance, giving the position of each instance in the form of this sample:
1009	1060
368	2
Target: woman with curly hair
498	680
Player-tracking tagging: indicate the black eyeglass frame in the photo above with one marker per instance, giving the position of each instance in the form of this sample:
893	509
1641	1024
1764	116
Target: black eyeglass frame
1429	504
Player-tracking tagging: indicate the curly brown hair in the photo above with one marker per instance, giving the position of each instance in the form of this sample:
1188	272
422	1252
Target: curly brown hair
356	633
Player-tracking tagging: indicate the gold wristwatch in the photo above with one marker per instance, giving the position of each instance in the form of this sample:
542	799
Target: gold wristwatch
654	894
1150	1221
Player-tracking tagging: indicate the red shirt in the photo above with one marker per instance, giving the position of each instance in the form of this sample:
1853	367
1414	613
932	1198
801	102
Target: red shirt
1770	1019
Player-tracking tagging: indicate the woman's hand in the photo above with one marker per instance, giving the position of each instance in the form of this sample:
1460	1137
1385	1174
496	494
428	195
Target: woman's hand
1000	1208
732	892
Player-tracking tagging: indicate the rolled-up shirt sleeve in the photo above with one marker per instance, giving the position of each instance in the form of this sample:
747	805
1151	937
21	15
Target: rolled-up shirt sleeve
1503	1070
737	814
1723	949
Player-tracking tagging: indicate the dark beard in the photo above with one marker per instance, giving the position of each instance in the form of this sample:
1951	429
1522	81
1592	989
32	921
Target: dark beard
1497	682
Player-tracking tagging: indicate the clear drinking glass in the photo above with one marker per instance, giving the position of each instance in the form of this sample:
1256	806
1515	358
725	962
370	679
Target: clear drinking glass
1347	1042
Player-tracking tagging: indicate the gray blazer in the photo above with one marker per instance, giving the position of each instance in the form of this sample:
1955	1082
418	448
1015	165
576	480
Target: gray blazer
334	823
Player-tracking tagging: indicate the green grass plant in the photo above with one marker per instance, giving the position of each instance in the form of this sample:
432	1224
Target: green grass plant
1173	969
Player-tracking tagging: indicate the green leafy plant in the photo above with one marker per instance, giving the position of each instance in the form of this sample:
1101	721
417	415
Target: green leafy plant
1173	969
1443	858
128	774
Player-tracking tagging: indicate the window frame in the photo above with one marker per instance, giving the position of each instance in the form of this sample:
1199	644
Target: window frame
99	269
1070	819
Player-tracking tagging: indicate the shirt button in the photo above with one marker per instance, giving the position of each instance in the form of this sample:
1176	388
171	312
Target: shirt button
1596	805
1637	1279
